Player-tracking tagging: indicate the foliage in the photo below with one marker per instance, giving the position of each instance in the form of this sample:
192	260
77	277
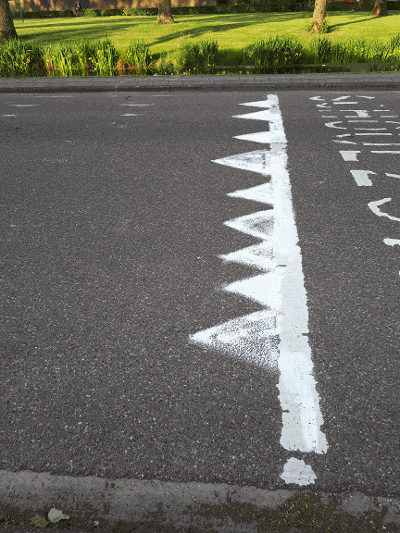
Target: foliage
323	28
274	55
222	6
91	12
134	12
199	56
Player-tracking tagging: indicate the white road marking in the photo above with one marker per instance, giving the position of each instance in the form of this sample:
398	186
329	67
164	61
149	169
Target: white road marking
373	133
361	177
349	155
332	125
298	472
276	338
359	112
391	242
375	209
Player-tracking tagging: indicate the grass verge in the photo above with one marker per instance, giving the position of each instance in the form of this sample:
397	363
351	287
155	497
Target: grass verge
272	53
304	511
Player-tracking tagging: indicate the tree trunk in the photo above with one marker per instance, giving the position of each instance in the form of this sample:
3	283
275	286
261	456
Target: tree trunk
7	28
319	15
380	8
164	12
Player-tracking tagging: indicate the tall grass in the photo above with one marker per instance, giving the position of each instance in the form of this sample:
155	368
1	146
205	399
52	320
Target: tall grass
274	55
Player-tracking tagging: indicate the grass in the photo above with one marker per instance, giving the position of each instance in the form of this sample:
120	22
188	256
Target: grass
199	44
304	511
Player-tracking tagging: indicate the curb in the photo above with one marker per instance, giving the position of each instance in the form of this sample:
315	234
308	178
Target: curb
328	82
103	503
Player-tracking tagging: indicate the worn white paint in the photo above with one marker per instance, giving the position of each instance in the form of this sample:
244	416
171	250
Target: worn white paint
361	177
391	242
374	206
296	471
384	152
275	338
349	155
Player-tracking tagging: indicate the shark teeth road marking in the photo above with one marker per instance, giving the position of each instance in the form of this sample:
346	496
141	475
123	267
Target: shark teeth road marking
275	338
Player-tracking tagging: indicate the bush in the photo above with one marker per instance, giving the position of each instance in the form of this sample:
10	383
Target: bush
91	13
275	55
110	12
200	56
324	27
321	47
334	6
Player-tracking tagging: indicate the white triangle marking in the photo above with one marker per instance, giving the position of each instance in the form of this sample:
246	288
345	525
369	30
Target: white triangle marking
274	338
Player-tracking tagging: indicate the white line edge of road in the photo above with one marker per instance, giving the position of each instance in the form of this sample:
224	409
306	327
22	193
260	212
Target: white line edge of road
281	291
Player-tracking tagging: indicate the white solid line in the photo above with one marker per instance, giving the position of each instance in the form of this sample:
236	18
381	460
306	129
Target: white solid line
373	133
277	337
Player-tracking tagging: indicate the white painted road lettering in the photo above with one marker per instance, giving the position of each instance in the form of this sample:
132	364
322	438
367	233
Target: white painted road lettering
276	338
361	176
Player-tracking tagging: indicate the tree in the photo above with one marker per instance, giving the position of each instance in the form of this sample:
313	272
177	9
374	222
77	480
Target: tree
164	12
319	16
380	9
7	28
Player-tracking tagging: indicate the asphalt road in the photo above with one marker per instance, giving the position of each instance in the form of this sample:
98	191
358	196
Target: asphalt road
112	217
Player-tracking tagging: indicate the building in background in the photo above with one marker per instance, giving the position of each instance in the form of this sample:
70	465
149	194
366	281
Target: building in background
60	5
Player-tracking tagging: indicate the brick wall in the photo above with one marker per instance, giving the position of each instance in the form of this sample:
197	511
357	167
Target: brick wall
59	5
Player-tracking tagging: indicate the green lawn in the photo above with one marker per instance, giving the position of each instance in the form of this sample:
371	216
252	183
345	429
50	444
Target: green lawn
233	32
196	44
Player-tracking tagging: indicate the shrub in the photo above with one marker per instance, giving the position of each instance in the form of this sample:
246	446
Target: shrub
275	55
91	13
199	57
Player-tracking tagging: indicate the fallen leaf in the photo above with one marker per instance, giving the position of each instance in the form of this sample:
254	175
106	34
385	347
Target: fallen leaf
55	516
39	521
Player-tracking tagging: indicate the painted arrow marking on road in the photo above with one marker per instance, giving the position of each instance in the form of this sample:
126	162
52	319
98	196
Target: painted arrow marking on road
275	338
